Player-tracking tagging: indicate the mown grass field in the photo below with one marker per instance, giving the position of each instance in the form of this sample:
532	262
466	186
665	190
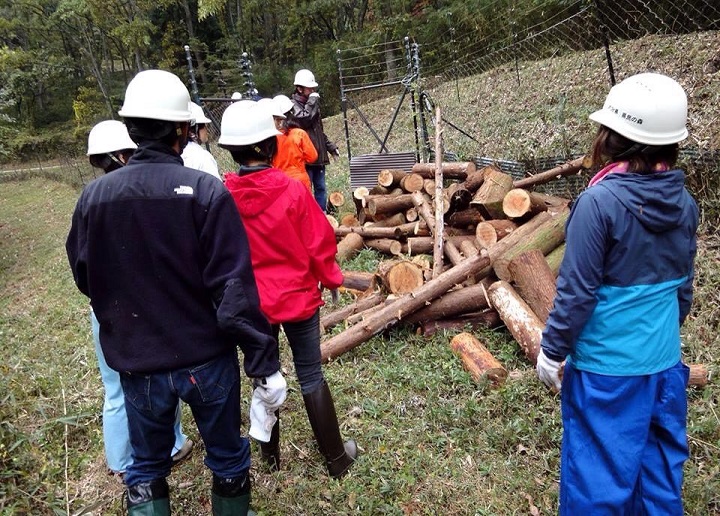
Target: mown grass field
432	440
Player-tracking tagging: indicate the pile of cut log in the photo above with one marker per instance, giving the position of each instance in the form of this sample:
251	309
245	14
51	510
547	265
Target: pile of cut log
495	245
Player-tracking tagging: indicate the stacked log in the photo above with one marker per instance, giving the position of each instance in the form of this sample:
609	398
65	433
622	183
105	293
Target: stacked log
501	242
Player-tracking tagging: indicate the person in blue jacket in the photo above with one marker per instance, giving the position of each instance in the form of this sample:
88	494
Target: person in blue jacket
161	251
623	291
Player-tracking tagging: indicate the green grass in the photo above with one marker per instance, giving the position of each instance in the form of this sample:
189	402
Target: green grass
432	440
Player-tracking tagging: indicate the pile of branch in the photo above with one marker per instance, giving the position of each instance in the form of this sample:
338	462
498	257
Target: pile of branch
496	247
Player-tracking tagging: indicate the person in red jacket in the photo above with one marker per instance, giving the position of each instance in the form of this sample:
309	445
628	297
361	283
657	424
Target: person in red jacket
292	247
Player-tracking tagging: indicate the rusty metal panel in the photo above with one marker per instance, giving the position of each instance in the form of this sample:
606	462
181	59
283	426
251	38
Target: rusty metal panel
364	169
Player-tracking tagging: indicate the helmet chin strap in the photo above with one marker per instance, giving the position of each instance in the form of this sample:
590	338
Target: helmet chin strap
634	149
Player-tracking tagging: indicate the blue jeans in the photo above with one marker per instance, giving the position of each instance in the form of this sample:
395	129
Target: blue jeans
212	390
304	340
118	452
317	178
624	443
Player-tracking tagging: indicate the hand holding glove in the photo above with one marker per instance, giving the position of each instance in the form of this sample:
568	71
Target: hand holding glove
269	394
548	371
314	94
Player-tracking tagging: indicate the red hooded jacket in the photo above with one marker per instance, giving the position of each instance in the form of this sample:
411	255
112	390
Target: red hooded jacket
292	245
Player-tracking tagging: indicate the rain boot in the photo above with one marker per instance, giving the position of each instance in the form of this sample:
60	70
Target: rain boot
270	451
149	499
231	496
320	408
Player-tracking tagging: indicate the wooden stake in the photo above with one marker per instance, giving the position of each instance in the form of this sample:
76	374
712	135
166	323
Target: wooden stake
439	228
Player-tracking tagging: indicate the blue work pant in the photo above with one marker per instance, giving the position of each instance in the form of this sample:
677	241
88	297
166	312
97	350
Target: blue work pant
118	452
304	340
624	443
212	390
317	178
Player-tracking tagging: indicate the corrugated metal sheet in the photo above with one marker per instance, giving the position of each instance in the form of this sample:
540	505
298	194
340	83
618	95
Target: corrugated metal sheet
364	169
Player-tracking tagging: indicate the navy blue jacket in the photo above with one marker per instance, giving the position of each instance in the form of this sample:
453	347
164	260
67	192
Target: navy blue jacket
162	254
625	283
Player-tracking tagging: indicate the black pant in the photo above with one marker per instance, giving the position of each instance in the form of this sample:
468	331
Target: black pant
304	340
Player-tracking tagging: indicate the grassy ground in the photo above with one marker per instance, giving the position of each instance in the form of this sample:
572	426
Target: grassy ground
432	440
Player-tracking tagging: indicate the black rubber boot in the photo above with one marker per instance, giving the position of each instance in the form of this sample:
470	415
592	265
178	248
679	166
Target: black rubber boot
320	408
270	451
149	499
231	496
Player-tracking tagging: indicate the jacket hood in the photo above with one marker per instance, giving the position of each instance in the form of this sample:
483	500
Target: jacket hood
658	200
255	191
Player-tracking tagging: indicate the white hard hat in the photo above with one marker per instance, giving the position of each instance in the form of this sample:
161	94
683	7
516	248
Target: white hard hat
157	95
305	78
648	108
283	102
109	136
236	95
272	107
198	115
244	124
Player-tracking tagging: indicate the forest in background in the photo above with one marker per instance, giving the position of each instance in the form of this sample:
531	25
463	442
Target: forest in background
64	64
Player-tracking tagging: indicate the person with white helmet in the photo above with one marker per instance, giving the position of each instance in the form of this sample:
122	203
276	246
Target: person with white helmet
109	148
162	253
193	155
293	252
623	291
294	147
306	115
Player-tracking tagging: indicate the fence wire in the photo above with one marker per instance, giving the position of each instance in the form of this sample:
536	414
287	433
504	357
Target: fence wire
515	84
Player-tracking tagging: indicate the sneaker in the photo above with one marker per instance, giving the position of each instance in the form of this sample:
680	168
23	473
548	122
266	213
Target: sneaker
183	453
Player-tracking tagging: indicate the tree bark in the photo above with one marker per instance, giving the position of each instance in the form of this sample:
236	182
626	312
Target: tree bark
424	245
349	220
385	245
337	316
519	202
489	197
349	246
567	169
489	232
523	324
358	280
400	276
545	237
488	318
470	217
407	304
453	303
451	170
388	204
534	281
554	258
477	360
424	210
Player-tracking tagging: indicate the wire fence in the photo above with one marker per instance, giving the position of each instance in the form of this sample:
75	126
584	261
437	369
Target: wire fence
516	84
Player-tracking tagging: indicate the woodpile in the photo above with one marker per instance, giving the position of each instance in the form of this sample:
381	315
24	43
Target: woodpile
466	248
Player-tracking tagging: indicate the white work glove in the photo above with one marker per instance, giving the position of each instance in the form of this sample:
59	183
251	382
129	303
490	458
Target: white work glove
548	371
314	94
267	397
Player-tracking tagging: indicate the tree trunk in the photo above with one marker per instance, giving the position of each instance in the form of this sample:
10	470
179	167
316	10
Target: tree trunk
489	232
545	237
554	258
519	202
488	318
412	183
390	177
407	304
523	324
394	220
451	170
349	246
534	281
400	276
349	220
385	245
453	303
358	280
567	169
388	204
336	199
425	245
489	197
476	358
424	210
465	218
468	248
336	317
